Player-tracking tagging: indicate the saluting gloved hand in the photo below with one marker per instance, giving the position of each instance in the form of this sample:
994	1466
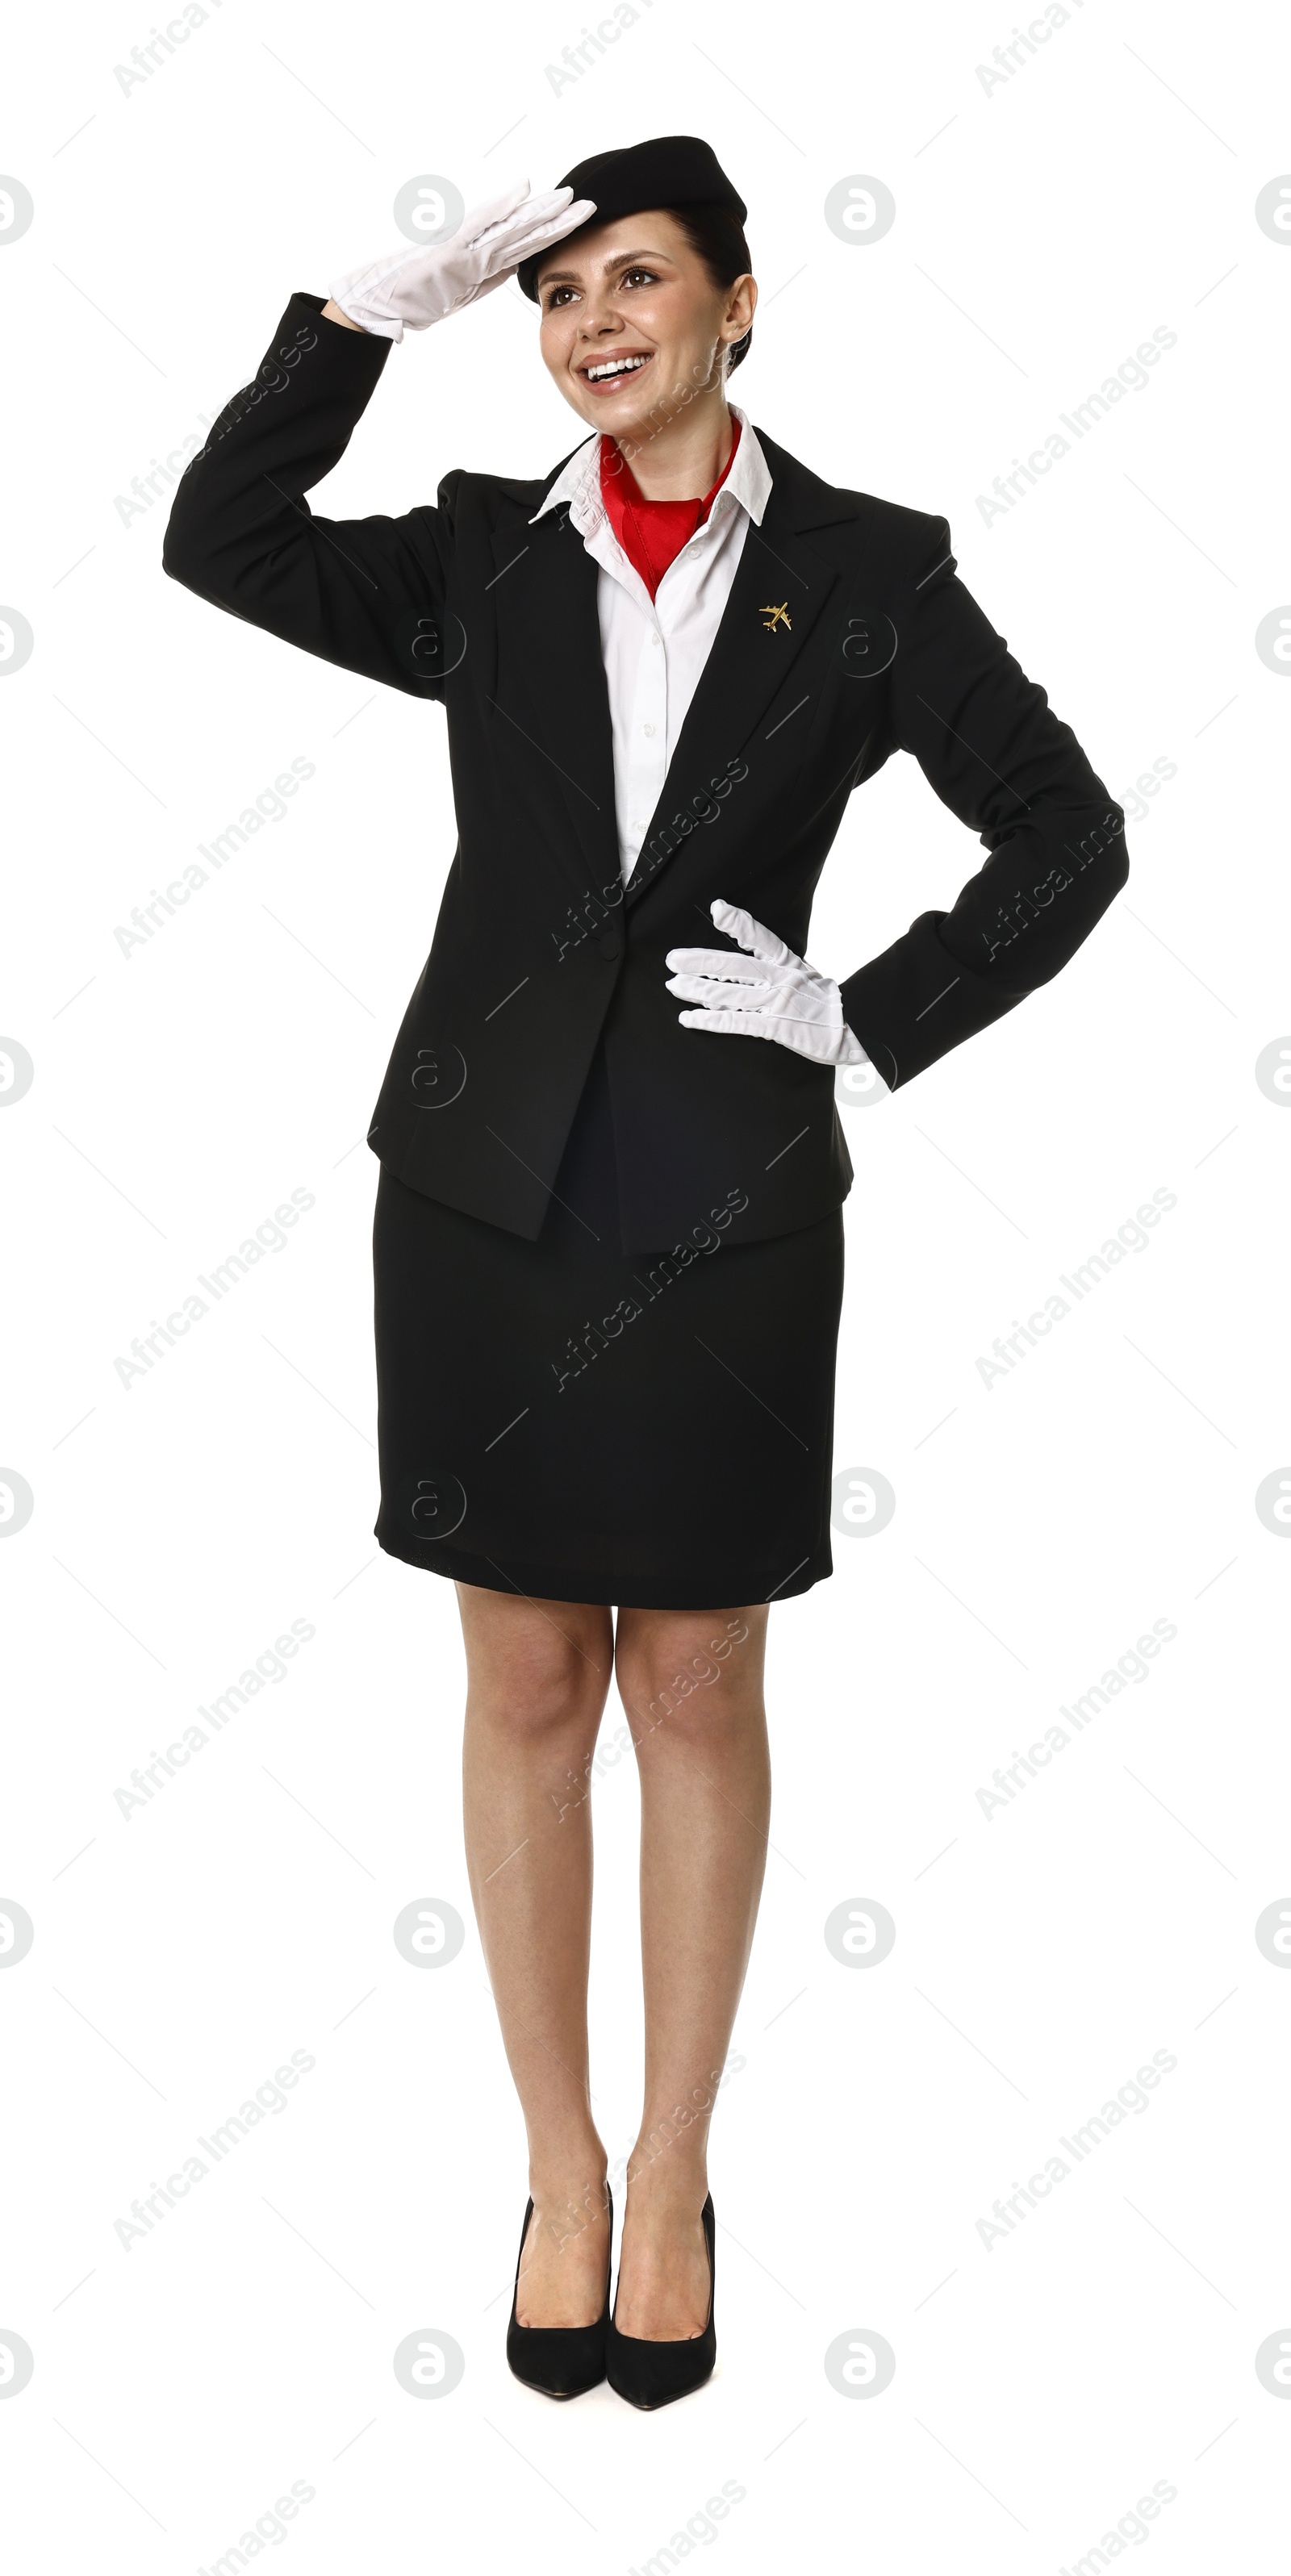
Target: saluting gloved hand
778	996
413	287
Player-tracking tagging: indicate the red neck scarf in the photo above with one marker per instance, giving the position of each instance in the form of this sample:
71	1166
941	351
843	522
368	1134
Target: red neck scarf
652	533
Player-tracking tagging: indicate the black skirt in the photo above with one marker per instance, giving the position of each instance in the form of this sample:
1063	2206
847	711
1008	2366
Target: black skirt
561	1419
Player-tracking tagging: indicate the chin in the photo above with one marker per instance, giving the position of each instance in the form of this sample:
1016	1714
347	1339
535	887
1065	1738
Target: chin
615	416
630	427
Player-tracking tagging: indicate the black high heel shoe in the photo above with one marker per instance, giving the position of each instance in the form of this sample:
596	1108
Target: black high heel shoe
653	2374
560	2361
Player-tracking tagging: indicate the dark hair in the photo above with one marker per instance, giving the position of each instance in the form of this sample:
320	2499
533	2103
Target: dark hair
716	235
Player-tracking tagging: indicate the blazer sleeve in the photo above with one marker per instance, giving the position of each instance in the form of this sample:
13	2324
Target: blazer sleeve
986	738
365	593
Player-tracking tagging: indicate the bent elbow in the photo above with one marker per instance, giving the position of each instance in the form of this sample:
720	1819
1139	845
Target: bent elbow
181	555
190	556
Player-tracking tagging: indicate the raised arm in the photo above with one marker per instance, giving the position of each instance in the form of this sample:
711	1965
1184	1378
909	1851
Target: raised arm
365	593
242	535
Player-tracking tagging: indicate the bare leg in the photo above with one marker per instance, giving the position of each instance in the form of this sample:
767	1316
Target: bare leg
538	1673
705	1808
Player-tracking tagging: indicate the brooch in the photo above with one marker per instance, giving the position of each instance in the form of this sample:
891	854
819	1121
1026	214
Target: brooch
773	617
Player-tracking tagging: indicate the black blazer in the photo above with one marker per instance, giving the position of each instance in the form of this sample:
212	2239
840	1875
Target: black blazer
537	950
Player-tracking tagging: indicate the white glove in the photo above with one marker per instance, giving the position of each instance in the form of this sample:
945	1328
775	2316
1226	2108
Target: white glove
780	996
415	287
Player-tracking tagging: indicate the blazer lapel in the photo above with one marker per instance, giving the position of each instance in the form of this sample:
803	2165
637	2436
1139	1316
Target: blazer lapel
780	588
551	686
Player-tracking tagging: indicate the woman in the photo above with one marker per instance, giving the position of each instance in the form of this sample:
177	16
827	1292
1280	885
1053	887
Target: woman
608	1237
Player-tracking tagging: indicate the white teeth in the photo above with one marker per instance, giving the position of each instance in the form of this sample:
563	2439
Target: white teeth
612	367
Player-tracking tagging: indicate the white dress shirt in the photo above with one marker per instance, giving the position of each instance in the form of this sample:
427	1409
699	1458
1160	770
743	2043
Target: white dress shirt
654	649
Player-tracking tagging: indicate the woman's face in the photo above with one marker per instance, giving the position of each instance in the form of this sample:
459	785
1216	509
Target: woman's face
631	320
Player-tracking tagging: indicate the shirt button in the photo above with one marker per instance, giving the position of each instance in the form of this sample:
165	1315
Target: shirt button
647	728
653	636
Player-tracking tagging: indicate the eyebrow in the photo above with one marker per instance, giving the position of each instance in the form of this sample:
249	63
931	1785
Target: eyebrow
620	259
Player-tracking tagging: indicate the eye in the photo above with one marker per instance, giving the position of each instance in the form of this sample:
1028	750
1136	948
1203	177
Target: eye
634	276
553	300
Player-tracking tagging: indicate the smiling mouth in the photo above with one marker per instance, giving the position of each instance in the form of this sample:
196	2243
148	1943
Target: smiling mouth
604	375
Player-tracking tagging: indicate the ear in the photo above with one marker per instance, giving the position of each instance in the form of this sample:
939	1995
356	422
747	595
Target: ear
741	307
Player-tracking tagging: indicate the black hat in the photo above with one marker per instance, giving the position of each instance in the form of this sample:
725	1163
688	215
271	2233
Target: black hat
673	170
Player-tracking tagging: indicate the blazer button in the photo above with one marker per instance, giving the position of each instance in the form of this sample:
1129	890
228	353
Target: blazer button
611	944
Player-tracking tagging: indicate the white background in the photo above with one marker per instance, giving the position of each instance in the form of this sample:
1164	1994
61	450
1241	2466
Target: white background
1044	228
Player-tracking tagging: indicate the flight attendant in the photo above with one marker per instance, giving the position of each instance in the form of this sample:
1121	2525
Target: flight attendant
608	1241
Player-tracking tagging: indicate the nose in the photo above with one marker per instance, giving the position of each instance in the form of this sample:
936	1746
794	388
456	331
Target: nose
599	316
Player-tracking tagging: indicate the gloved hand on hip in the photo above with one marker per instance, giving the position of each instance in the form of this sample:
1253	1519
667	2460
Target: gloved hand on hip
777	996
413	286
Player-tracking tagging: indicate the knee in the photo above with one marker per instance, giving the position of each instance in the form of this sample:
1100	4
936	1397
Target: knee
540	1689
673	1679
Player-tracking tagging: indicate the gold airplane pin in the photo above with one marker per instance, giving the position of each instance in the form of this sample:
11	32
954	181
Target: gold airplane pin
773	617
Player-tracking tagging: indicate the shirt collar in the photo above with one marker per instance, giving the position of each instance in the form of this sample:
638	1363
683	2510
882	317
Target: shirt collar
579	482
